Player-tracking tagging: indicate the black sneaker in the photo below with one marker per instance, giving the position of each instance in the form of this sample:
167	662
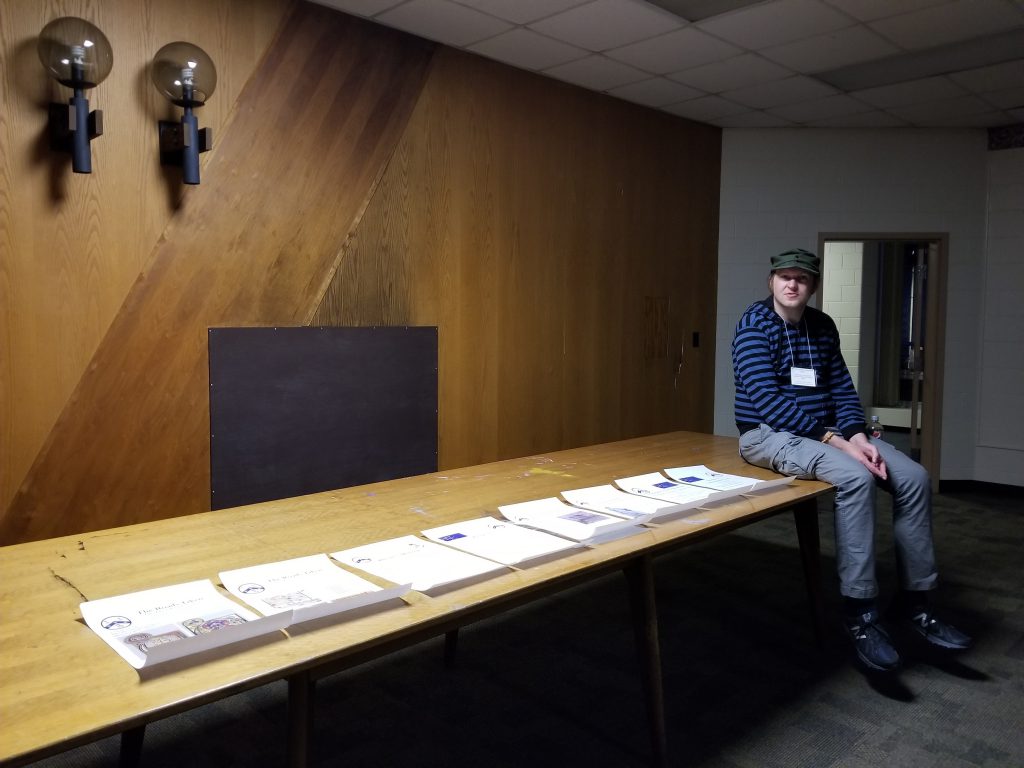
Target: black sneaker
938	632
871	642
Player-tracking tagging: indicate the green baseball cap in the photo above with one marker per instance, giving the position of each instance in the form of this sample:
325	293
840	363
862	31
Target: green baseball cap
797	258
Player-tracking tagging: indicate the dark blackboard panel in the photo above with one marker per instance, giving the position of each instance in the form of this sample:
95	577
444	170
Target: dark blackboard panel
302	410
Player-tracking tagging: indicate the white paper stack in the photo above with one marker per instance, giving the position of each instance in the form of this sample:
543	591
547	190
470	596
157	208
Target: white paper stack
310	586
655	485
700	475
157	625
582	525
501	541
612	501
424	564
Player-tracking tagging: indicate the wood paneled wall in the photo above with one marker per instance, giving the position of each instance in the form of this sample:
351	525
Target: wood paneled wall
71	246
254	244
564	243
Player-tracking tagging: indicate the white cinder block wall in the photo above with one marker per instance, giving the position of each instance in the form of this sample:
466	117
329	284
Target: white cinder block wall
1000	434
842	269
780	188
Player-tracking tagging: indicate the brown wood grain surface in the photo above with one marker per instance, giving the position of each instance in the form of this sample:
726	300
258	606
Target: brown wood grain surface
255	243
61	685
534	223
72	245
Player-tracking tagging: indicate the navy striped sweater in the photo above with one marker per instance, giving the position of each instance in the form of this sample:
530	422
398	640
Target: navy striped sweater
761	362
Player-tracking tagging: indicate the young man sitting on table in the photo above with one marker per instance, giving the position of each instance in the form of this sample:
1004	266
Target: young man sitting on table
798	413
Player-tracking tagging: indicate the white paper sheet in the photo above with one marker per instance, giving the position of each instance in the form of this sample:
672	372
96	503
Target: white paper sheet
499	540
583	525
704	477
656	486
412	560
157	625
612	501
310	586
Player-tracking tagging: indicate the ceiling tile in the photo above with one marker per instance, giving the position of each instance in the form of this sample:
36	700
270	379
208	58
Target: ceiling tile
526	49
597	73
983	120
739	71
605	24
869	10
522	11
776	22
874	119
443	21
361	7
706	108
994	78
656	92
950	22
819	109
681	49
1006	98
913	92
829	51
779	92
932	112
753	119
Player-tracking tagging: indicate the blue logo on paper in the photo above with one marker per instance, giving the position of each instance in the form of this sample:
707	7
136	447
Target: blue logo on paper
453	536
666	484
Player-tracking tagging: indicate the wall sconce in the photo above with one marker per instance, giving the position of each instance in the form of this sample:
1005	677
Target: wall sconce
76	55
186	76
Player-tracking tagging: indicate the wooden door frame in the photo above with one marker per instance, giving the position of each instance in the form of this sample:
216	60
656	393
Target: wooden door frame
935	332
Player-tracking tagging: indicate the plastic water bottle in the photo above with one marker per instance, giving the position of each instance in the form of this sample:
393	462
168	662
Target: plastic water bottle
876	430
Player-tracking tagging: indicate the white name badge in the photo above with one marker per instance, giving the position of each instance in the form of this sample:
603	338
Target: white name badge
803	377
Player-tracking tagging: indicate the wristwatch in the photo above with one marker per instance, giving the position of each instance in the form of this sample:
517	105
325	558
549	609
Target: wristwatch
828	436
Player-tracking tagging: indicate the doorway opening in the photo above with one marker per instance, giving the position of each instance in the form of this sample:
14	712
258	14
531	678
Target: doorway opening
886	293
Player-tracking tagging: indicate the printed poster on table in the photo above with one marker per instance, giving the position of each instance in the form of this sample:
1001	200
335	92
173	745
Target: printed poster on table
157	625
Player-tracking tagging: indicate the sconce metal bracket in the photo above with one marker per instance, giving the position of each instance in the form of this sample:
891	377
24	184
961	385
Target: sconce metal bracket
63	118
174	139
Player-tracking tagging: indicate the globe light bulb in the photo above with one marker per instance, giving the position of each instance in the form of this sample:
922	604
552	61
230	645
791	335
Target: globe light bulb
75	52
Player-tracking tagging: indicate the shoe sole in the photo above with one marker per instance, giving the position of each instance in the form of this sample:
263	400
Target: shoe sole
940	643
877	667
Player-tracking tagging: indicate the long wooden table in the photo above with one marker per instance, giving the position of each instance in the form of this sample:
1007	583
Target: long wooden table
61	686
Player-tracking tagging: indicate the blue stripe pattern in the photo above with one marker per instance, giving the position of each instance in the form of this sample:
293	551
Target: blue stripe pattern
761	361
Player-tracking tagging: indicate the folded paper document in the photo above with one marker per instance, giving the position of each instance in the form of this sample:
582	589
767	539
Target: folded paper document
655	485
501	541
612	501
703	477
424	564
311	587
583	525
157	625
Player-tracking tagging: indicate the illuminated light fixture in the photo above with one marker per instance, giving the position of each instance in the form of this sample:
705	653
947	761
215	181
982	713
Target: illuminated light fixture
77	55
186	76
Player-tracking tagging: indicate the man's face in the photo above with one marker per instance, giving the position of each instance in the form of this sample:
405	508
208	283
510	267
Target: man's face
792	287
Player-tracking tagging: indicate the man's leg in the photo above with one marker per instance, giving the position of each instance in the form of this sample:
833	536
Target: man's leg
910	487
915	551
854	525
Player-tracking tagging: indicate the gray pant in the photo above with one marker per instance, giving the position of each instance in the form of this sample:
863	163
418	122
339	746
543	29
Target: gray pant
855	505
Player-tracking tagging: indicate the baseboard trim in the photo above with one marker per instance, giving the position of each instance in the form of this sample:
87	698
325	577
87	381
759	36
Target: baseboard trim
979	486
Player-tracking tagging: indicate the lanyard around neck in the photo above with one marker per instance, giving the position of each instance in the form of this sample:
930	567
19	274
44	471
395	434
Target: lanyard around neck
807	331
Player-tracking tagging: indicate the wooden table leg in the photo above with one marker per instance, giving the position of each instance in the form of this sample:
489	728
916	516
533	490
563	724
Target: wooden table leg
640	577
451	647
806	516
131	747
300	718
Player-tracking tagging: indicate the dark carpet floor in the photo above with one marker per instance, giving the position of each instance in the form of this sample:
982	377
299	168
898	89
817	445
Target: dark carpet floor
556	683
